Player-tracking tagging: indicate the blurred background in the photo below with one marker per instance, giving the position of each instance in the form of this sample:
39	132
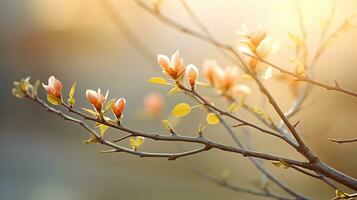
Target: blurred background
43	157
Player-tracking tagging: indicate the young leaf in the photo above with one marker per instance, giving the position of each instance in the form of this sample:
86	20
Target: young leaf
17	93
92	112
71	100
299	67
212	119
296	39
168	125
53	100
181	110
72	90
300	71
276	163
174	90
35	88
233	108
102	129
91	140
247	77
109	105
136	142
158	80
279	163
341	194
202	84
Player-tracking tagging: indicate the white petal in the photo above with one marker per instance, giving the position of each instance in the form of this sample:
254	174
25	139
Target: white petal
268	73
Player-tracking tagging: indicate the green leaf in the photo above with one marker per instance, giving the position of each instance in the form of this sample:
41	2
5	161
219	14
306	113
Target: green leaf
54	100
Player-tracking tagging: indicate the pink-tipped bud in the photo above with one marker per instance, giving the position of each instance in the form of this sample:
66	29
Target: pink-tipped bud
192	74
97	99
54	87
118	107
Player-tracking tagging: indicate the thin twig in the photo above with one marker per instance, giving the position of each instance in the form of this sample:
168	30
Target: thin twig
343	141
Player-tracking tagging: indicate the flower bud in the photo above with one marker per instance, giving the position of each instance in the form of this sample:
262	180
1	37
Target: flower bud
97	99
118	107
54	87
209	70
192	74
174	67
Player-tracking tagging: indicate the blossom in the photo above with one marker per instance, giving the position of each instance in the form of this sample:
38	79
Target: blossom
97	99
241	90
226	79
209	69
54	87
256	43
118	107
173	67
192	74
153	104
252	38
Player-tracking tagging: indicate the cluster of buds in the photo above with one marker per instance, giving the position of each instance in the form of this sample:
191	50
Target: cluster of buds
256	43
175	68
97	99
225	80
23	87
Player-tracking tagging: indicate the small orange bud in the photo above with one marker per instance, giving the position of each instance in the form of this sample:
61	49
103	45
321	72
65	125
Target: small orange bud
192	74
118	107
54	87
97	99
